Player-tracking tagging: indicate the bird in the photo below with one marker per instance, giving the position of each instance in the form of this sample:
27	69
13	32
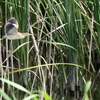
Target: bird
11	30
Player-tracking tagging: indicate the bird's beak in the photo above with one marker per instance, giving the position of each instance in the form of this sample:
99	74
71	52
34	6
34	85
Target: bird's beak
25	34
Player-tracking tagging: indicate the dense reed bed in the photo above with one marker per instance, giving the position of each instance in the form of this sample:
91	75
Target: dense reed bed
60	60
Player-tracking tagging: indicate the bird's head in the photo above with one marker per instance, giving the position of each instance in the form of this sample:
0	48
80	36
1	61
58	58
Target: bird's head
14	22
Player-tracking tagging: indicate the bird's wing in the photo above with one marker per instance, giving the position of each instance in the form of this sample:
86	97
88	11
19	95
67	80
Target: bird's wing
10	29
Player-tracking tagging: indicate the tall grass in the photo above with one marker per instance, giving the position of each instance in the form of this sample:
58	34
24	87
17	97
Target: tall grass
61	55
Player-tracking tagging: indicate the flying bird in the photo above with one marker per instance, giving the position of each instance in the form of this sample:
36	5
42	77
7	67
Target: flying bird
11	30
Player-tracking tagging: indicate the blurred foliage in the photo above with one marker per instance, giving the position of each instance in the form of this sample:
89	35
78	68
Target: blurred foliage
64	31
